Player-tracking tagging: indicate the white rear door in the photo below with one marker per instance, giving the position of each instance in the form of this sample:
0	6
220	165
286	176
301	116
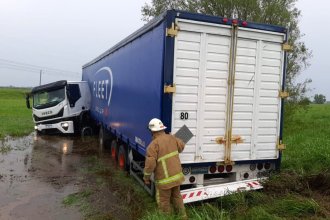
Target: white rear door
201	68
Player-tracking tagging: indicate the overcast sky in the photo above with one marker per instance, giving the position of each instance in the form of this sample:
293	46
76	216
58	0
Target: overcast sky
66	34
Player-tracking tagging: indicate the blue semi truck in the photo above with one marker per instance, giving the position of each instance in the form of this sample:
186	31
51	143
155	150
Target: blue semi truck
222	78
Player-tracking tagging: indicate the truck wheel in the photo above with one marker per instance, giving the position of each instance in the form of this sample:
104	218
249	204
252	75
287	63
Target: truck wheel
122	158
114	150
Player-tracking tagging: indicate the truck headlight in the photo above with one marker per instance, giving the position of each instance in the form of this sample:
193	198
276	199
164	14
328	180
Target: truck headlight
65	125
35	127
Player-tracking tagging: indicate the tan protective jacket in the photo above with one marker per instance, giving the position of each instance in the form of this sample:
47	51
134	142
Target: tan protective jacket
163	160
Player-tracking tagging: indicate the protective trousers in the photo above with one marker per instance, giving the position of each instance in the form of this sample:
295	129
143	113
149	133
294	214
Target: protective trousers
166	197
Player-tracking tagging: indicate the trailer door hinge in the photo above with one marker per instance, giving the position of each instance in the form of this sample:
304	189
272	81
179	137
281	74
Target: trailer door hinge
287	47
173	31
283	94
169	89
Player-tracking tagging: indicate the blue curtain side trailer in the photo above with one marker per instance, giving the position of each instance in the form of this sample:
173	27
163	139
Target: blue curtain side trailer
219	77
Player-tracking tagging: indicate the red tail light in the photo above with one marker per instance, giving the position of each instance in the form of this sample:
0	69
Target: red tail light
213	169
225	20
221	168
229	168
244	23
192	179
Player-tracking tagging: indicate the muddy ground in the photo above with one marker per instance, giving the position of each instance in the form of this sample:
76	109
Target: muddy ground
39	173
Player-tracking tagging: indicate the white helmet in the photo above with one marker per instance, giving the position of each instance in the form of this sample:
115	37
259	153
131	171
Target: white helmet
156	125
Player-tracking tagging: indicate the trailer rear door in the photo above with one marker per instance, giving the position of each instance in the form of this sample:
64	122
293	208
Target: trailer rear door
201	69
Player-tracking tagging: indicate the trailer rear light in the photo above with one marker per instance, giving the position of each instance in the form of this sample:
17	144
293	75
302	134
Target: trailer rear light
246	175
225	20
229	168
192	179
267	166
260	166
213	169
221	168
253	167
244	23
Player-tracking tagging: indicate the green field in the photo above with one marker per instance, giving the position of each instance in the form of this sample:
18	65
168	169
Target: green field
300	190
15	118
307	137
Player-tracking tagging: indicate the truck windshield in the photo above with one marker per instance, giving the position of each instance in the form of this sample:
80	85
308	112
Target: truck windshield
45	99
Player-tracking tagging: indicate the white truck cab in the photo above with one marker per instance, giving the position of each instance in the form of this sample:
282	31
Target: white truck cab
60	107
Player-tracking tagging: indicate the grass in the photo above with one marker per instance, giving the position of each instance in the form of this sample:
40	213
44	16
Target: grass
106	183
16	119
76	198
307	137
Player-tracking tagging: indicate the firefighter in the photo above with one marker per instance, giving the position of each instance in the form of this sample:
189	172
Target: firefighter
163	160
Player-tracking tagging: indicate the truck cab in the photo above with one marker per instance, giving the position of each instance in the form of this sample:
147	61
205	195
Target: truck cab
60	107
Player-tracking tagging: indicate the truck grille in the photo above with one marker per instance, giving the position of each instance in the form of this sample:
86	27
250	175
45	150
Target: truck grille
59	114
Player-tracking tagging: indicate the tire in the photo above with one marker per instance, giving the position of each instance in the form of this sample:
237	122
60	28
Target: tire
114	150
122	158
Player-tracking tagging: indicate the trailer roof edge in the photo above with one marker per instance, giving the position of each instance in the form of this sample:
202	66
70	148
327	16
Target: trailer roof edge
185	15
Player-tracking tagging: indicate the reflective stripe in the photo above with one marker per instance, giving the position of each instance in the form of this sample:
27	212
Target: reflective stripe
170	179
165	168
166	156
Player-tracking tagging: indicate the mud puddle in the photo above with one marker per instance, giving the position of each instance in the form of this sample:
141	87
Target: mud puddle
38	172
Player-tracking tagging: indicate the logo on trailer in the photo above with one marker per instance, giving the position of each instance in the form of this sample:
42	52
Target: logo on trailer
102	86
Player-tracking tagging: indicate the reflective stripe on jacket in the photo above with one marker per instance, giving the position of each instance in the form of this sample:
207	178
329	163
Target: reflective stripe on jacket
163	160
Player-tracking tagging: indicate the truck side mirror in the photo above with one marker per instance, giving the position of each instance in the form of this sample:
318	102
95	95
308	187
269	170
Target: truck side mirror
27	99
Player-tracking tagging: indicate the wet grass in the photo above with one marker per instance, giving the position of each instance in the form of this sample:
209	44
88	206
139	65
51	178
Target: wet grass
16	119
107	183
76	198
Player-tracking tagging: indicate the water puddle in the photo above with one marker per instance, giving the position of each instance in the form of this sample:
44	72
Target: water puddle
37	172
